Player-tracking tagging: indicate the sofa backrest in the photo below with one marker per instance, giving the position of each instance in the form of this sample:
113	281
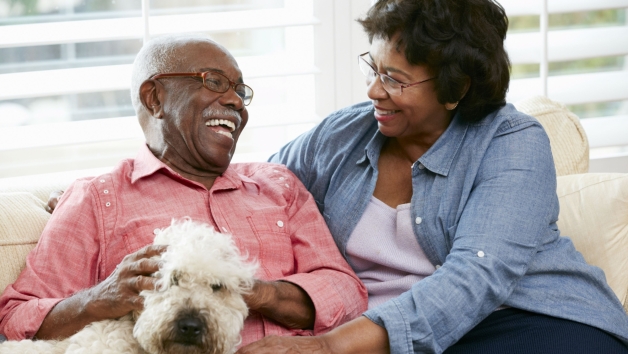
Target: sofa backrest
593	207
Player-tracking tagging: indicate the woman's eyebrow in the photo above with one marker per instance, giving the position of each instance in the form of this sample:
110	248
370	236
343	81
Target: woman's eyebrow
391	69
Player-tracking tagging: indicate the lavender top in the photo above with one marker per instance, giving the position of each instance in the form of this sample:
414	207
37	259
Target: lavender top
385	253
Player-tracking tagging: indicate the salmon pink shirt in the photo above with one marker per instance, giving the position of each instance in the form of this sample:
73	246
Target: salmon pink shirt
98	221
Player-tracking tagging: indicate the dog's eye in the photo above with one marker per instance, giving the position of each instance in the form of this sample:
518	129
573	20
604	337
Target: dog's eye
174	279
217	287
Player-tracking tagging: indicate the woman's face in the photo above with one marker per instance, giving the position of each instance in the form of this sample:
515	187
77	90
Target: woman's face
416	112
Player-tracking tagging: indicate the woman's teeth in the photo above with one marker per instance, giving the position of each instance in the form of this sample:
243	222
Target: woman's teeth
385	113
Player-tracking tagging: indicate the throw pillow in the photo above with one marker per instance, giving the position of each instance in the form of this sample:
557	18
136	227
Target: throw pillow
594	214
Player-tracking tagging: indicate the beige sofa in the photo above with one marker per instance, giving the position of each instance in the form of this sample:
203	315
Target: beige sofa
594	207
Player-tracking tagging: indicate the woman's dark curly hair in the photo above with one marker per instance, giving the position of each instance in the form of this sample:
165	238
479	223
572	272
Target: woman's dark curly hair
458	40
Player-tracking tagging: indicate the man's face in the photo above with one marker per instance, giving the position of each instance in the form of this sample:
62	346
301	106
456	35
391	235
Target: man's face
201	127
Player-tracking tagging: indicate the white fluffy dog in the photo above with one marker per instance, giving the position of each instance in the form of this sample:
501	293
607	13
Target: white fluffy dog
196	308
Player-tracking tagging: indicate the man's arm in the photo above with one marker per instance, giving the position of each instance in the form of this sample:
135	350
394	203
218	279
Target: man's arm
333	291
56	294
284	302
113	298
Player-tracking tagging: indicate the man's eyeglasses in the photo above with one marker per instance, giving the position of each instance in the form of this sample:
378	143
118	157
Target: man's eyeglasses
391	85
216	82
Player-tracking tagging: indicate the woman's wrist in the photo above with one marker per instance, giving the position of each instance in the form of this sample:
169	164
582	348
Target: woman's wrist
358	336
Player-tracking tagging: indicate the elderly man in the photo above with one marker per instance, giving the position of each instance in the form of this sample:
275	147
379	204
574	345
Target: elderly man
92	260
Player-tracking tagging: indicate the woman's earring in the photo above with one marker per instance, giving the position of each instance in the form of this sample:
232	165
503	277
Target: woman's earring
451	106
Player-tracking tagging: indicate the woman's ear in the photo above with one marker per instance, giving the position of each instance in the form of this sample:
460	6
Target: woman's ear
150	97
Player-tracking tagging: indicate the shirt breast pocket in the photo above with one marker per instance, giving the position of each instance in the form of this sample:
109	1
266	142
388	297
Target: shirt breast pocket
136	238
272	243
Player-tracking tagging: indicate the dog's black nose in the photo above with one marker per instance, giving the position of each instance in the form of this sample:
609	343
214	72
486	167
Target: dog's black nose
189	330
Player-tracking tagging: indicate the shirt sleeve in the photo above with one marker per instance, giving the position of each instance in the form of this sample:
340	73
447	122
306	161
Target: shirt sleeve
64	261
337	293
505	221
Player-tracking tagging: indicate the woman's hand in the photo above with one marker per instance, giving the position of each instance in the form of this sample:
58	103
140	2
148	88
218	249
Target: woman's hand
53	200
287	345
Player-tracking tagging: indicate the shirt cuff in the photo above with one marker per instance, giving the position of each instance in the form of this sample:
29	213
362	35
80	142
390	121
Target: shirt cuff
27	318
394	319
328	305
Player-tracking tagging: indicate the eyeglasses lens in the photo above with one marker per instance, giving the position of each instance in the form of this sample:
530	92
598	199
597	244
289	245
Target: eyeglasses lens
218	83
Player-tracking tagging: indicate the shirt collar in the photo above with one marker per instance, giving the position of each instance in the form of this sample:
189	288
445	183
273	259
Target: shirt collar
437	159
146	164
373	149
440	156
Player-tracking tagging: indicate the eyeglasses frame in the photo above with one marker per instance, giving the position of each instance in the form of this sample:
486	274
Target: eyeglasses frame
202	75
401	84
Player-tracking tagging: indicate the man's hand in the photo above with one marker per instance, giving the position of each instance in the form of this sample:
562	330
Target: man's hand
53	200
119	293
283	302
115	297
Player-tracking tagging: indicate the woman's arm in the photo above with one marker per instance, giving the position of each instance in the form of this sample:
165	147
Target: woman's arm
360	336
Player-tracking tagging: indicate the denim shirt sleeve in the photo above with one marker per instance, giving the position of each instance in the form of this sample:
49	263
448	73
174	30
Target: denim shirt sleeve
504	221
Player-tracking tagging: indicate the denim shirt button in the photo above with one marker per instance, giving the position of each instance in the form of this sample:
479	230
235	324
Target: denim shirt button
437	266
421	166
418	220
480	254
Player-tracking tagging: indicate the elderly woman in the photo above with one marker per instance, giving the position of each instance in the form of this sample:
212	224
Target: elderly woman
442	197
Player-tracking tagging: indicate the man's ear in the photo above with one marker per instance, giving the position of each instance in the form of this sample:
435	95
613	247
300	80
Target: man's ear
150	96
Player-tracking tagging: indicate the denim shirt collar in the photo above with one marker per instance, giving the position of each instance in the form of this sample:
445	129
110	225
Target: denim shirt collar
437	159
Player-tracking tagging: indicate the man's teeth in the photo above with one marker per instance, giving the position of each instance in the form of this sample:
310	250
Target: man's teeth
225	133
215	122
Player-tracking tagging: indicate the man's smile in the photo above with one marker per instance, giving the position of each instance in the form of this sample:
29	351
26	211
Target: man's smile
221	126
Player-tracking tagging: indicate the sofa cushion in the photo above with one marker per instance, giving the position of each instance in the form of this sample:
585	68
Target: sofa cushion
23	220
594	214
568	140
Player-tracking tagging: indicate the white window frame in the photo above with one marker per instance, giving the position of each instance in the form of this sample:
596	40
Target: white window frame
338	40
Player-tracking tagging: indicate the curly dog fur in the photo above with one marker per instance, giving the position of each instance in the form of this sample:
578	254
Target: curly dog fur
197	306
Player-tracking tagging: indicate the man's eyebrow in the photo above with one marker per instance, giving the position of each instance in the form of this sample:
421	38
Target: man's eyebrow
238	80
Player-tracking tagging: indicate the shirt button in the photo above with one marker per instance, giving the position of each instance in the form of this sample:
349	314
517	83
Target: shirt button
156	231
102	181
282	178
287	186
480	254
418	220
437	266
421	166
107	204
106	191
280	223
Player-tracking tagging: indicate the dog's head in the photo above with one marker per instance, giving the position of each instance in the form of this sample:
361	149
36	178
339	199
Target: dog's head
198	305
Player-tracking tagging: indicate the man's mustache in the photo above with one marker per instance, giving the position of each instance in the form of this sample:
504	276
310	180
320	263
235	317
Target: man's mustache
212	112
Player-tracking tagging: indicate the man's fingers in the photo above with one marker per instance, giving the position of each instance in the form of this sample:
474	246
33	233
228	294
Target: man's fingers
147	252
144	266
141	283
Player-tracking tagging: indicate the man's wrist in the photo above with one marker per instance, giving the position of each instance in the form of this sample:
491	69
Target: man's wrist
261	295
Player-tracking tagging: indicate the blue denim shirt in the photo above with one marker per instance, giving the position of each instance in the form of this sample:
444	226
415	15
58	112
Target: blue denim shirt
484	210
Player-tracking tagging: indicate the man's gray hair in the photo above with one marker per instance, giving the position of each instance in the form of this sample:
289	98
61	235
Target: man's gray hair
157	56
